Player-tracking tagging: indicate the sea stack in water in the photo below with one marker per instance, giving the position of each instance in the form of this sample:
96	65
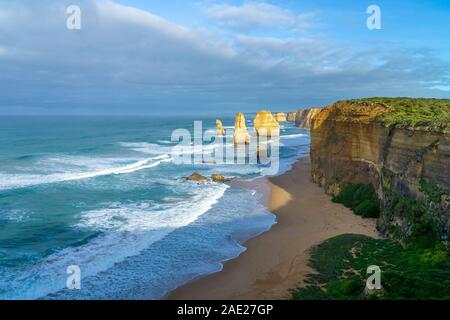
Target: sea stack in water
266	124
220	129
241	135
280	117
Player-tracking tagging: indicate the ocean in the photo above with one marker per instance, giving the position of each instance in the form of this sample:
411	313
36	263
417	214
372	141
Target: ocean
103	194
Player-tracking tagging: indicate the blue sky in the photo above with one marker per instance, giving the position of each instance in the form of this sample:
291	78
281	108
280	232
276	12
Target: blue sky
138	57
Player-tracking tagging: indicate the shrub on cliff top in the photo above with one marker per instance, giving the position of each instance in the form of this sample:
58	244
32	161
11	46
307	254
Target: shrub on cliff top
410	112
361	198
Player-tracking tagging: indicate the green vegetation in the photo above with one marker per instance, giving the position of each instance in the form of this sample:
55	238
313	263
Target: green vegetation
431	190
423	224
409	112
361	198
409	272
422	220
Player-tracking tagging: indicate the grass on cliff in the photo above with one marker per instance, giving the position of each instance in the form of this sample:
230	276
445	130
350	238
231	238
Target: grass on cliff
361	198
410	272
410	112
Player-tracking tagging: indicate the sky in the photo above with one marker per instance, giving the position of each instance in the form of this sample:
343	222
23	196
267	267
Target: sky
217	57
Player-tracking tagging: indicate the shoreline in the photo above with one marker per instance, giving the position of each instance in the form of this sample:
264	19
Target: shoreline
276	261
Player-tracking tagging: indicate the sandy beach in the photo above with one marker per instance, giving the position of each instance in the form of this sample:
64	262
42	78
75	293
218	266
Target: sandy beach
277	260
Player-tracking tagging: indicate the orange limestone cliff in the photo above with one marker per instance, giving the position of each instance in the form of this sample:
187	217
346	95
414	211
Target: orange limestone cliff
304	117
219	128
241	135
396	146
291	116
266	124
280	117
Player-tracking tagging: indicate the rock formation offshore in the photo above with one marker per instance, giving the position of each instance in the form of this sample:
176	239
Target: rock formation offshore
241	135
291	116
219	128
266	124
280	117
304	117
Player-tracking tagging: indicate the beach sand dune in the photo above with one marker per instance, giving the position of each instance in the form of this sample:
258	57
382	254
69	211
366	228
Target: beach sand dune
277	260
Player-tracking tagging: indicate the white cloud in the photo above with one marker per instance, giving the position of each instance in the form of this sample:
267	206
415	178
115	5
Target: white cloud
255	15
130	60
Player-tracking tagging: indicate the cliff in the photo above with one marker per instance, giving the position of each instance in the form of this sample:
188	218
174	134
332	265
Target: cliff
265	123
401	147
304	117
241	135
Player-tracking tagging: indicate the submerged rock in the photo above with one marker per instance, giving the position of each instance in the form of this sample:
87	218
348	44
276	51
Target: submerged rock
241	135
261	154
197	177
266	124
220	129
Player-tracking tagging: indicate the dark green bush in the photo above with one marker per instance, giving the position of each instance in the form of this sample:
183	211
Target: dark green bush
361	198
368	209
351	286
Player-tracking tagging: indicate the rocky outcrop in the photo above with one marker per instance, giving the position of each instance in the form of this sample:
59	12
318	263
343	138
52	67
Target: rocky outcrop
219	128
266	124
241	135
291	116
349	145
304	117
197	177
280	117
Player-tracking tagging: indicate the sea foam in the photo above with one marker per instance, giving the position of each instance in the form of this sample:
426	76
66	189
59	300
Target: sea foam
125	230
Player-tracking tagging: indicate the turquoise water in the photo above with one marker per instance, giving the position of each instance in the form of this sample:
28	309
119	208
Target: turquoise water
104	194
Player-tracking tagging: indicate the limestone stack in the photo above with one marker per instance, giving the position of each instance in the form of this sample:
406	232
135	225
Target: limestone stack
281	117
349	144
305	117
265	123
291	116
220	129
241	135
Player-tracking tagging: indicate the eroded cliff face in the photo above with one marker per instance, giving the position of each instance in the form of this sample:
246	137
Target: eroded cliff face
304	117
291	116
219	128
280	117
349	146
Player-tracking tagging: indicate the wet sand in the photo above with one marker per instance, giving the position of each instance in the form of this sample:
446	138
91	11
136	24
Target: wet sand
277	260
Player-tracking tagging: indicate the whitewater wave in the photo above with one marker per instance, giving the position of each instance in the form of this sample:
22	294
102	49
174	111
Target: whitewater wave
126	230
156	149
15	181
293	136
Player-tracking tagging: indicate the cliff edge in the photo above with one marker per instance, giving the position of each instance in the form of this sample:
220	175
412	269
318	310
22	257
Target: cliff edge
399	146
304	117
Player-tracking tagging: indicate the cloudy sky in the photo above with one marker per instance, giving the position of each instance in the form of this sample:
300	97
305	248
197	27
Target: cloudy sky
155	56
